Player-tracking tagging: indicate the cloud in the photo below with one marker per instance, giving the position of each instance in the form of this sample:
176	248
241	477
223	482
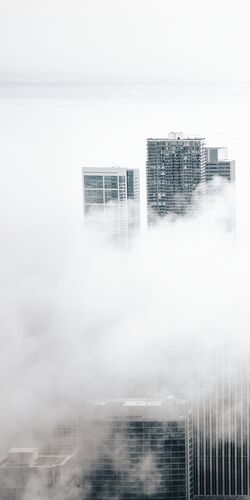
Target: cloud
77	316
81	319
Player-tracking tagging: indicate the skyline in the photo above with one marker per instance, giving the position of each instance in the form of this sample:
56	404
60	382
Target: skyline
77	315
124	269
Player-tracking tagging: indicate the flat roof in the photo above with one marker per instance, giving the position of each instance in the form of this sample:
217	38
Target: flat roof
138	401
163	139
107	170
43	460
143	409
23	450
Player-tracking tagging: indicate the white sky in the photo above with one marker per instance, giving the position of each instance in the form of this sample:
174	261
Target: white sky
125	40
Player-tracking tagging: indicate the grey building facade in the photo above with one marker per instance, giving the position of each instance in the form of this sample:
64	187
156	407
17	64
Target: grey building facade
222	430
134	449
175	167
218	164
26	473
111	202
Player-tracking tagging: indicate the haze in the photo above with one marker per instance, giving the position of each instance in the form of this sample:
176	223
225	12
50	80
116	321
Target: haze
134	41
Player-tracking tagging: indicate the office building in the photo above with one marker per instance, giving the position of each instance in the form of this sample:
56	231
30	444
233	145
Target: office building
218	164
111	202
27	474
222	429
175	168
134	449
146	452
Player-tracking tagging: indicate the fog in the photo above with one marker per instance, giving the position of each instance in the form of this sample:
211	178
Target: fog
117	41
81	319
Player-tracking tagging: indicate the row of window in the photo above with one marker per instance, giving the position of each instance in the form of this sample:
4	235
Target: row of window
100	181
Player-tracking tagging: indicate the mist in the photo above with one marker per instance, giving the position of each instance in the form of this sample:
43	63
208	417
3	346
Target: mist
82	319
118	41
85	324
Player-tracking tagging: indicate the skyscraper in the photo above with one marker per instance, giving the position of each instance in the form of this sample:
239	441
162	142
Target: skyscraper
222	429
146	452
175	167
133	448
217	164
111	201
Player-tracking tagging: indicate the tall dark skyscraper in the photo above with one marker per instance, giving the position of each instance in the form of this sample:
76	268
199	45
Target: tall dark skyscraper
222	429
147	452
133	449
175	167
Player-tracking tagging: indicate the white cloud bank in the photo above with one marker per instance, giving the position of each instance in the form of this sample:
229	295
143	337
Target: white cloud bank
80	319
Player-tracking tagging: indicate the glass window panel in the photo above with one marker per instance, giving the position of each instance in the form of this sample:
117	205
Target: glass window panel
93	196
93	181
110	182
92	209
111	195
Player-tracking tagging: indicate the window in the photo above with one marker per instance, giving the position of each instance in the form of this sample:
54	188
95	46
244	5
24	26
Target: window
111	195
93	181
93	196
110	182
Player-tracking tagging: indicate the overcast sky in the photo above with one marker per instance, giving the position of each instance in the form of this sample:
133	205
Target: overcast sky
125	40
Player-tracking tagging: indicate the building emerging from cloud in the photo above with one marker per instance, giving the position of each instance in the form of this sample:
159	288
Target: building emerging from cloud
218	164
111	202
222	429
175	167
133	449
147	451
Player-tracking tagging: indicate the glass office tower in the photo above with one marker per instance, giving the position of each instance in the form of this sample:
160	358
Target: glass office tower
218	164
111	202
222	429
146	451
132	449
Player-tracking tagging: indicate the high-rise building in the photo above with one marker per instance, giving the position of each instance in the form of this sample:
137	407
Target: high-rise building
221	423
218	164
175	167
146	453
111	202
134	449
25	473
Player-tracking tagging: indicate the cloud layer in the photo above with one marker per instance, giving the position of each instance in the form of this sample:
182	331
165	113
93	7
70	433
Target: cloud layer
80	319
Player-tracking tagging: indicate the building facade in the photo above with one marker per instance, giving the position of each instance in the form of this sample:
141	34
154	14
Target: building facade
175	167
111	202
222	429
218	164
25	473
134	449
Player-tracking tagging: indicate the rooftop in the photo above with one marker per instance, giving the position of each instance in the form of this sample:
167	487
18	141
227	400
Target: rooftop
148	409
29	458
168	139
177	136
107	170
